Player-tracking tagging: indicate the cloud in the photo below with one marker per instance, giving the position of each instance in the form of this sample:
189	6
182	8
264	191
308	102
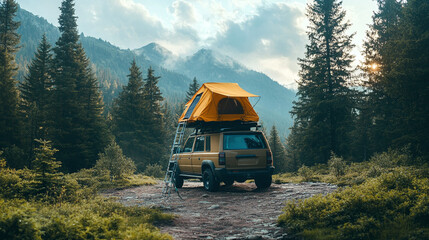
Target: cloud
125	23
270	41
184	12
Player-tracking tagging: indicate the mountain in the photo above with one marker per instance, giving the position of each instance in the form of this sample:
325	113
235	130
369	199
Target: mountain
111	65
155	53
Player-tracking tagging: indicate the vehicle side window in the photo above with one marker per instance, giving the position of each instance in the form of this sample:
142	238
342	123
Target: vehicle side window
188	145
208	145
199	144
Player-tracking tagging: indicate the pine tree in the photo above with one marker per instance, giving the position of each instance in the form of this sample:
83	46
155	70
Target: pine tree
36	95
79	130
406	79
48	178
9	39
323	112
376	106
277	150
130	117
193	88
156	137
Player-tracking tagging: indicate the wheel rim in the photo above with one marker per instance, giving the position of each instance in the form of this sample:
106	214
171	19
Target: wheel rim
206	181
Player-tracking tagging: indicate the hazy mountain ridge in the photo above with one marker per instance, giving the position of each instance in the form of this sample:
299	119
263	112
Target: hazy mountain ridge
111	65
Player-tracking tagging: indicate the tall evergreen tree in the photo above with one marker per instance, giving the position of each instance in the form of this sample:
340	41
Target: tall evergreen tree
130	117
277	150
376	106
156	137
79	131
9	39
193	88
406	79
323	112
36	96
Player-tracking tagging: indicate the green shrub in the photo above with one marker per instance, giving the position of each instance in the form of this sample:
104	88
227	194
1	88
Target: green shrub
16	183
114	162
154	170
392	158
368	211
337	165
93	180
306	173
90	219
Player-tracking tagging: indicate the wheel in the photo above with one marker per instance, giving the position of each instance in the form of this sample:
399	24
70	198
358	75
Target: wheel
228	182
209	180
263	181
178	181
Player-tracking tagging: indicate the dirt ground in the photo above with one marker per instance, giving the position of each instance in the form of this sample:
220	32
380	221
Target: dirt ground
237	212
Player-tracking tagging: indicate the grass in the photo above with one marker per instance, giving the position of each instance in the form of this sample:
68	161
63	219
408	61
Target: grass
97	218
72	209
93	179
384	198
394	205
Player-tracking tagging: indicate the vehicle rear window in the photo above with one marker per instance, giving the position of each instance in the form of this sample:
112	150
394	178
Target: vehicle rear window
243	141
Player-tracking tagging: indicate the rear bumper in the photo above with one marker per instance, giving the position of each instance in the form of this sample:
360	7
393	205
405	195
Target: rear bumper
223	173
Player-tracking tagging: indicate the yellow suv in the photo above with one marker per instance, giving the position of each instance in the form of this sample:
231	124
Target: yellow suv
225	157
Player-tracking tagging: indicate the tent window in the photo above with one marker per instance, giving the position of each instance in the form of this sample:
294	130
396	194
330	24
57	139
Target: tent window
192	107
229	106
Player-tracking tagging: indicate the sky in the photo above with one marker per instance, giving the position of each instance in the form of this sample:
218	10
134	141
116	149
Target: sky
264	35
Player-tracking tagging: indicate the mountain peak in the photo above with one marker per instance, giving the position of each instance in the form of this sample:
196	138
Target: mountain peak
153	52
208	56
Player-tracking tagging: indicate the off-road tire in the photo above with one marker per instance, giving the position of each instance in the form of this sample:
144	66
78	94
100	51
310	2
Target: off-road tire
178	181
209	181
263	182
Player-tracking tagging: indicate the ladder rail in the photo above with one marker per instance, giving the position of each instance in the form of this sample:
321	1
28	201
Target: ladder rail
169	179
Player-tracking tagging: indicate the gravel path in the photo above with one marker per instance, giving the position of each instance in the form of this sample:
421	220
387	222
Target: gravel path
237	212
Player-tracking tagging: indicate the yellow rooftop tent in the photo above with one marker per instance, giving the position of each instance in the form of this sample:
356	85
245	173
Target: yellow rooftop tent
219	102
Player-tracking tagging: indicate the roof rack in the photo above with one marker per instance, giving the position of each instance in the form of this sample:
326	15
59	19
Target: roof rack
210	127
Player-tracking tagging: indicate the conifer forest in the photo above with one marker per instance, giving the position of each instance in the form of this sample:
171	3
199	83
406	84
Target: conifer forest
71	130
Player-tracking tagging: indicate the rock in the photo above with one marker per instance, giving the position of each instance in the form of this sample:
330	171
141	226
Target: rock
254	237
204	202
231	238
213	207
205	195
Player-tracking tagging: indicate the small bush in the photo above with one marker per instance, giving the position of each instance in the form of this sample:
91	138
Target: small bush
154	170
337	165
93	180
392	158
306	173
115	163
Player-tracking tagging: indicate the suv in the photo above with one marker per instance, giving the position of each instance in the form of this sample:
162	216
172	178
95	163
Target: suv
225	157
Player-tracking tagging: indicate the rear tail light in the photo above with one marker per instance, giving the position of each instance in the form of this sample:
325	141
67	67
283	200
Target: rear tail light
222	158
269	158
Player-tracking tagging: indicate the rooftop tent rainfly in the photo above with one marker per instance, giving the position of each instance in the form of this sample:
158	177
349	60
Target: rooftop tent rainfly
220	102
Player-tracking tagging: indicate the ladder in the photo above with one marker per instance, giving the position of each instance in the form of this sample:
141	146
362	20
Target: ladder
169	181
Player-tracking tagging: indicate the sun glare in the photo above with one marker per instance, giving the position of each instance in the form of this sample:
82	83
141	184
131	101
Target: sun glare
374	67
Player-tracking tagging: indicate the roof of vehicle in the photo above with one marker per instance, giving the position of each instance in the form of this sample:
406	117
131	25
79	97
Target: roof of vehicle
220	102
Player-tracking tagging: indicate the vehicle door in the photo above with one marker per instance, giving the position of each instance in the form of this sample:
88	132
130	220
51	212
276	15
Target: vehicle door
185	160
198	154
